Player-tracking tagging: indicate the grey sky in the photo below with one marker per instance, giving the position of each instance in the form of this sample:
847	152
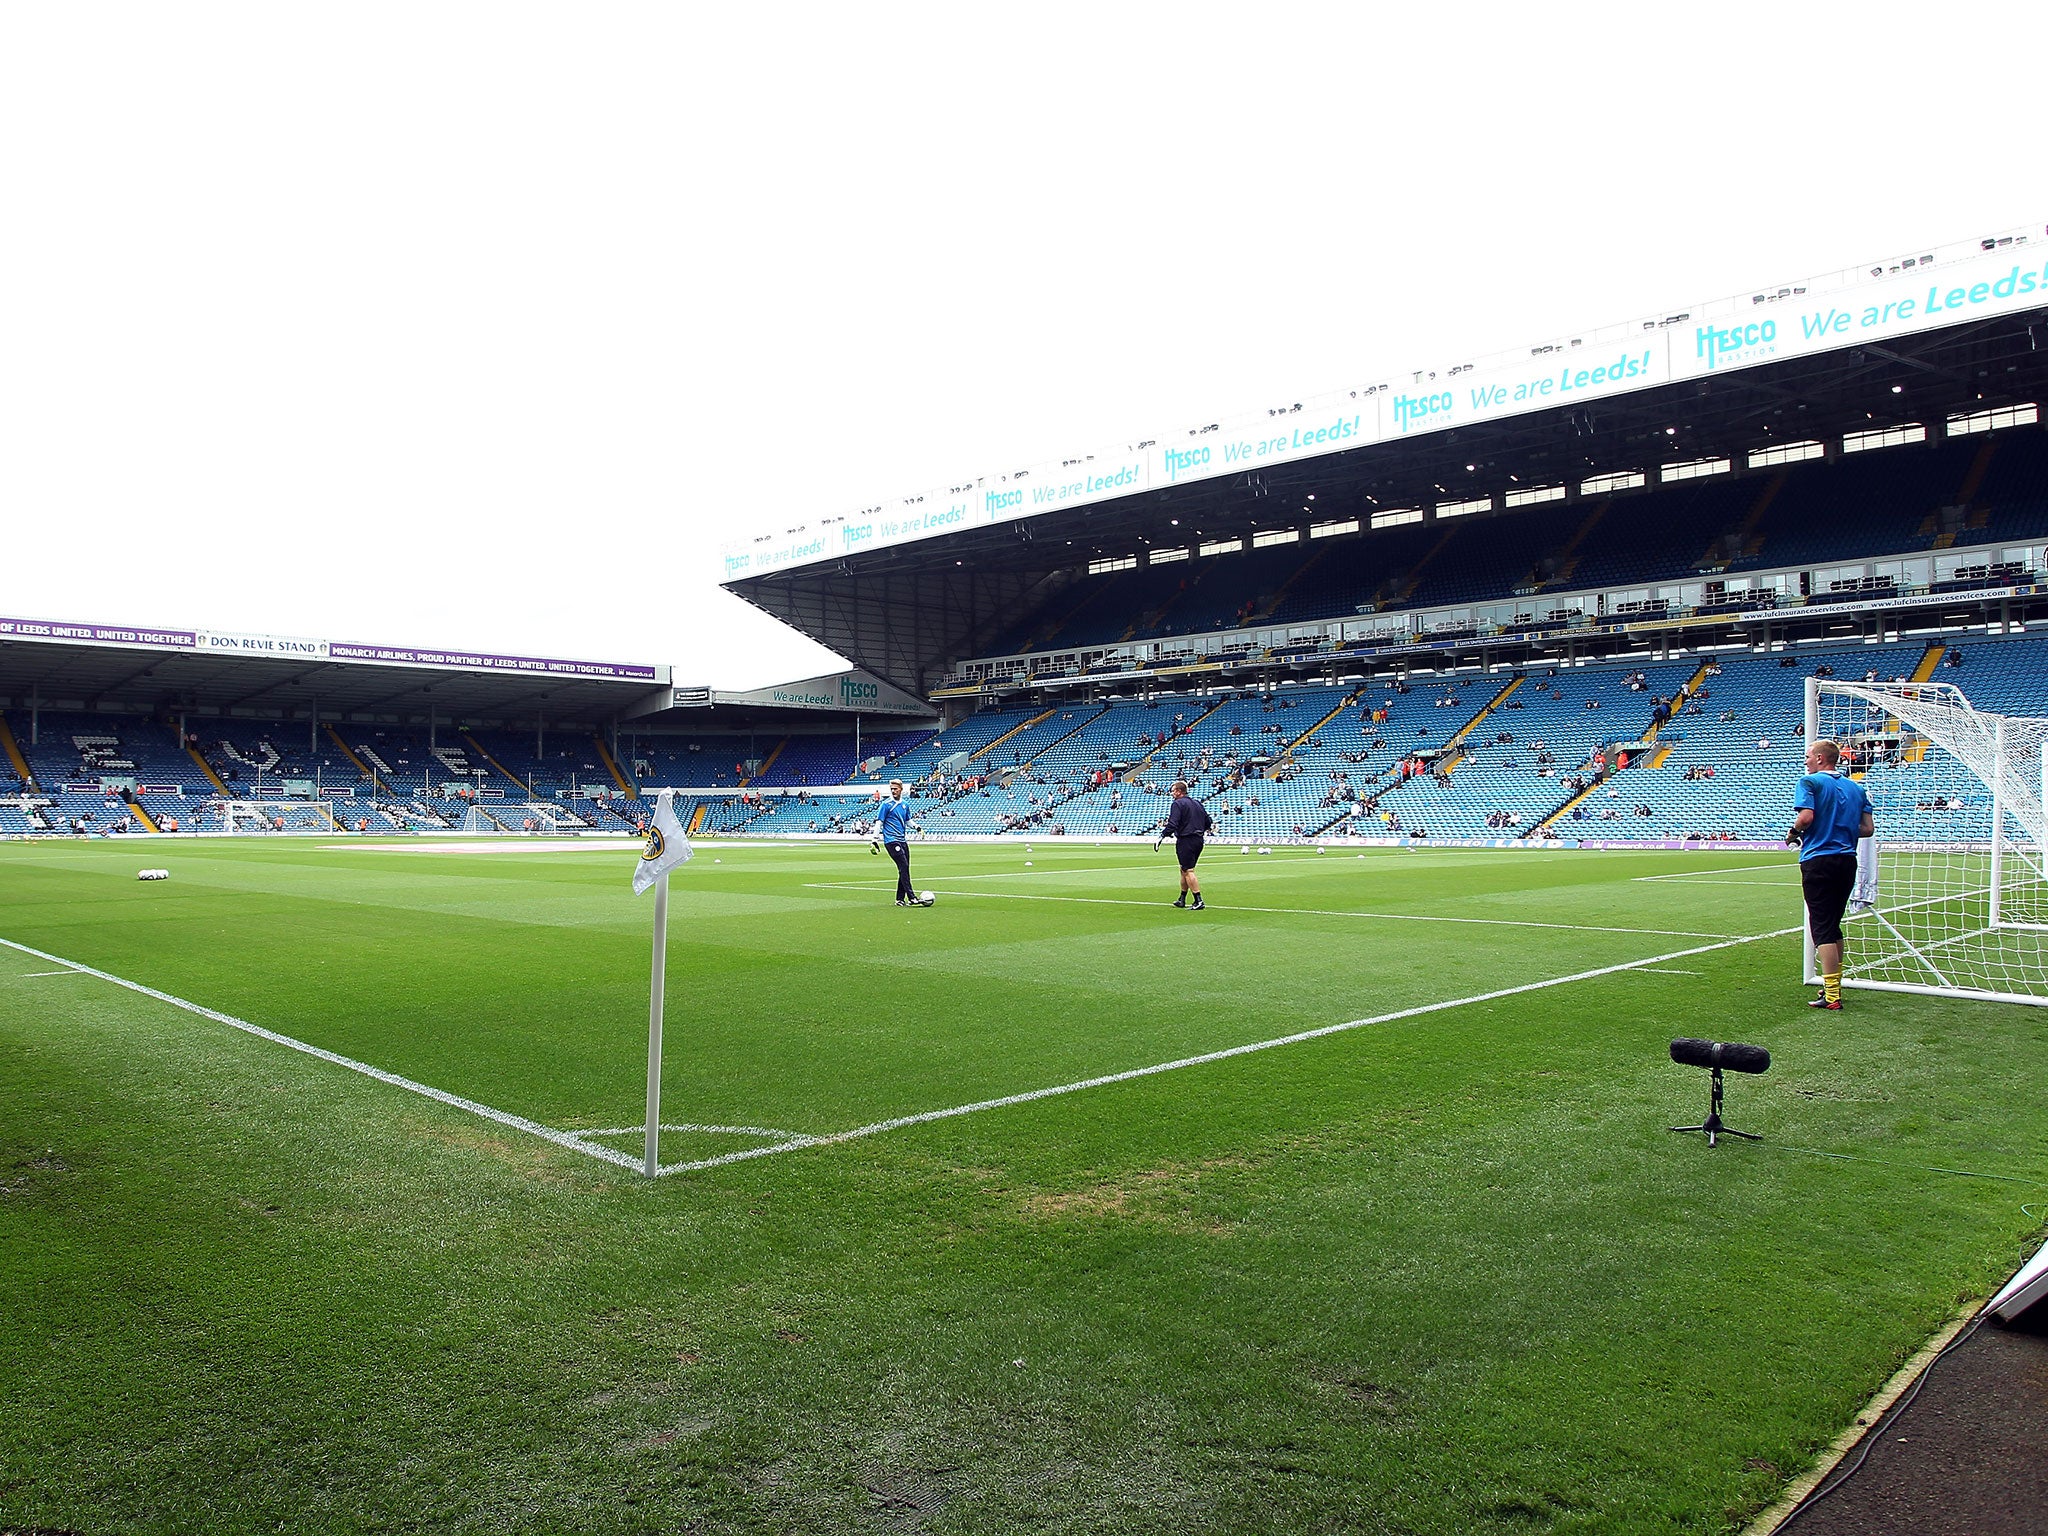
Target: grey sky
487	325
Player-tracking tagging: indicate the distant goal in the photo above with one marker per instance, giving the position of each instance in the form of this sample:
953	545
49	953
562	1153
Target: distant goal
1960	907
268	818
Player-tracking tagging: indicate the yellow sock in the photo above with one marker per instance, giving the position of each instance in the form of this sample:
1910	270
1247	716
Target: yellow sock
1831	985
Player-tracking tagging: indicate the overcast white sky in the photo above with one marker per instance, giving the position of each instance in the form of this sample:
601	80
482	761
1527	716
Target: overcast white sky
486	325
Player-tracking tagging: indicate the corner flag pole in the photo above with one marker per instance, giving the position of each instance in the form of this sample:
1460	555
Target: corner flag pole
652	1163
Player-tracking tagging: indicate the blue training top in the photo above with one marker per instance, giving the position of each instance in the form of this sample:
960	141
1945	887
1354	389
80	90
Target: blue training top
895	821
1838	804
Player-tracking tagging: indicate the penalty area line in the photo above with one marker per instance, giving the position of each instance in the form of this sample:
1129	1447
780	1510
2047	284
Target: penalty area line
1232	906
927	1117
569	1139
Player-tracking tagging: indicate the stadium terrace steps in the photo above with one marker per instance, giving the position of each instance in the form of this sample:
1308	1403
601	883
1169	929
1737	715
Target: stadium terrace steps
1566	559
1458	736
13	751
1341	705
1980	466
141	813
1744	539
1279	596
211	777
767	763
1924	672
1412	578
496	767
348	752
1131	775
1018	731
611	766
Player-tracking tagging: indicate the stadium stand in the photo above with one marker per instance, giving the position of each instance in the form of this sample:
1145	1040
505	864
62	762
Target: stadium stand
1899	502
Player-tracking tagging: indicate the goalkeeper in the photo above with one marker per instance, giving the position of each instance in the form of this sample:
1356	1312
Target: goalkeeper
892	830
1833	814
1187	824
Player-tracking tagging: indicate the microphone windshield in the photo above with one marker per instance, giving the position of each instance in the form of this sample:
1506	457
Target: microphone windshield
1727	1055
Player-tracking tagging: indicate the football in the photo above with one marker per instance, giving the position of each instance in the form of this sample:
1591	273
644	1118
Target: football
926	898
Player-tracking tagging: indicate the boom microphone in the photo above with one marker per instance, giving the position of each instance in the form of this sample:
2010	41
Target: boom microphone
1714	1053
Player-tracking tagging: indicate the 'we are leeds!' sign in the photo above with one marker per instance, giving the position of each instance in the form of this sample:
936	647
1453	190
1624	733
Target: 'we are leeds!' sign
1844	309
297	648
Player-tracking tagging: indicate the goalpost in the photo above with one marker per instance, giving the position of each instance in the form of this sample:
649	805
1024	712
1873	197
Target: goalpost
251	818
1960	799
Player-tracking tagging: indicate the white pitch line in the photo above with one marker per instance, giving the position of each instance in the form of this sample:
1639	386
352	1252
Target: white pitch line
1694	874
930	1115
72	972
1388	917
567	1139
1669	970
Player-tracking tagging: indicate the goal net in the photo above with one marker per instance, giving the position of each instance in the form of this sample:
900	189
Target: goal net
257	818
492	823
1960	904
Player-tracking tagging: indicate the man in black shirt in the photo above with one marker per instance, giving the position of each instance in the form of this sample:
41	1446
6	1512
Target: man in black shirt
1187	823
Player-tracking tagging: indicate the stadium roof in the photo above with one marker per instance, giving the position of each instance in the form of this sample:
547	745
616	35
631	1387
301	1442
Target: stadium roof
142	668
910	588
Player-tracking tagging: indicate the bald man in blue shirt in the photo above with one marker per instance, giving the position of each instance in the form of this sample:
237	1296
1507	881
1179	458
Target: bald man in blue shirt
1833	815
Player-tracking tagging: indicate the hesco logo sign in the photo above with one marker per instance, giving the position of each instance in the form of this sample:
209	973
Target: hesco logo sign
1412	411
1719	346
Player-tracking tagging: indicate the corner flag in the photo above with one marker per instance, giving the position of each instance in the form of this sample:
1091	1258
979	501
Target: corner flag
666	845
666	848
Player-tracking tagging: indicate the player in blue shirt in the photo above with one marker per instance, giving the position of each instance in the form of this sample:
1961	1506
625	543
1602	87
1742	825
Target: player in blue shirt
1833	815
893	827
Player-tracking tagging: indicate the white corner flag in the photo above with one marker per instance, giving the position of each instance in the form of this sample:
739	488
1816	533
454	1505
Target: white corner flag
666	848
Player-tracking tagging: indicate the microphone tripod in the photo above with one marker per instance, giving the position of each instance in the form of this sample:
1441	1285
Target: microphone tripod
1712	1124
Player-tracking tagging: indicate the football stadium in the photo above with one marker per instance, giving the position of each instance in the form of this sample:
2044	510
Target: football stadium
377	1161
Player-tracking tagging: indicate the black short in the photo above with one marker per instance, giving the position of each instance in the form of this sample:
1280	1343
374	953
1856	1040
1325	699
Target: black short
1828	880
1188	850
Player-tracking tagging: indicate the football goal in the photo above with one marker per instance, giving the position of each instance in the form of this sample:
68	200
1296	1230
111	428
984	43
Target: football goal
1958	905
255	818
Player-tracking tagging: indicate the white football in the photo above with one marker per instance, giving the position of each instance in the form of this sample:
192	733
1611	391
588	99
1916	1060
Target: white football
926	898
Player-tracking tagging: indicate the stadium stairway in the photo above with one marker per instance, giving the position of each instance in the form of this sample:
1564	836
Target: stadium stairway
1341	705
1007	735
496	767
1272	604
1565	560
211	777
141	813
346	751
1412	577
611	766
1131	776
14	757
767	763
1457	737
1647	733
1924	672
1743	539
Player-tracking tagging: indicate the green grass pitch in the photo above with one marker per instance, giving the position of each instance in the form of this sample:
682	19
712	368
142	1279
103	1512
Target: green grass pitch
1447	1272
